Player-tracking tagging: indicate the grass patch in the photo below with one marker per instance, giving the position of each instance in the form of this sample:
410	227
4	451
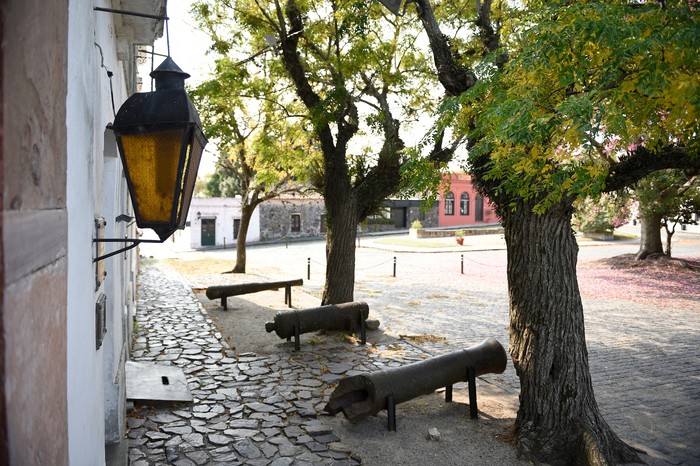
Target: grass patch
416	243
424	338
314	340
347	338
201	266
621	235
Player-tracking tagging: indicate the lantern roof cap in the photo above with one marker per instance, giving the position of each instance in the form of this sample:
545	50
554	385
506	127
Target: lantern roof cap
168	75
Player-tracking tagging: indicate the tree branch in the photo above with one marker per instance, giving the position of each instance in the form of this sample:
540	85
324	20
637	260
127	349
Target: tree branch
641	162
454	77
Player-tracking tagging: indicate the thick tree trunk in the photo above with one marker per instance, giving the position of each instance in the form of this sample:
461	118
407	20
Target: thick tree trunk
246	215
558	421
650	241
341	234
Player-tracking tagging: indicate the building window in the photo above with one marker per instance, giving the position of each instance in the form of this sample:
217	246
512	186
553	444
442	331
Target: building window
449	203
296	223
464	204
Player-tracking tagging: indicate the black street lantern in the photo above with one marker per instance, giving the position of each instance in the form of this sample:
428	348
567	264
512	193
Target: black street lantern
160	142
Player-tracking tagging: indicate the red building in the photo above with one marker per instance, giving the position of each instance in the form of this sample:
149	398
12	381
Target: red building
461	204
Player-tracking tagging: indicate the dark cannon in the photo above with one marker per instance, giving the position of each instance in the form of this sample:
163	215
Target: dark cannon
364	395
224	291
346	316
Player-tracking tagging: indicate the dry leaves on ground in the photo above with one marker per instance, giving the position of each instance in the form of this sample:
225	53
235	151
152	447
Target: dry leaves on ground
658	281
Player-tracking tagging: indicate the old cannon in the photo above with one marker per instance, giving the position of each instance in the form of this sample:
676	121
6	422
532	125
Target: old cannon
346	316
224	291
364	395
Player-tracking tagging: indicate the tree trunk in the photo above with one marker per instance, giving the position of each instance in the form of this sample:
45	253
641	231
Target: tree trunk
246	215
669	237
340	250
650	241
558	420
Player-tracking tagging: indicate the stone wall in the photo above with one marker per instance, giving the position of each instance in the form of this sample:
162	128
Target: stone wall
445	233
427	219
33	391
276	218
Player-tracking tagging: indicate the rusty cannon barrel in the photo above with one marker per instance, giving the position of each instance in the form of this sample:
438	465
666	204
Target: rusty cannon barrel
224	291
364	395
345	316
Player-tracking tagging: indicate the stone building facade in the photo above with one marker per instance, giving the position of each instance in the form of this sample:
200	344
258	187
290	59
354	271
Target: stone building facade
213	221
292	217
403	212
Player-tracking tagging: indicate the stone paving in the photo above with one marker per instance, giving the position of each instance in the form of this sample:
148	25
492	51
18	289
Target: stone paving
248	409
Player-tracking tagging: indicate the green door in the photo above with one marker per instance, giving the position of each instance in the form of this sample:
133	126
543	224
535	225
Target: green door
208	232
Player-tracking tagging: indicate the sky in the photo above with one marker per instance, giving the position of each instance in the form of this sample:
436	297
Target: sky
188	44
188	48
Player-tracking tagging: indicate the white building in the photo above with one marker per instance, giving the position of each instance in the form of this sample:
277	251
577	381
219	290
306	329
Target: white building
215	221
65	319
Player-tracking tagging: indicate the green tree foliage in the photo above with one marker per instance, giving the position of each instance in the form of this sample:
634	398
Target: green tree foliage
602	214
594	83
264	152
223	182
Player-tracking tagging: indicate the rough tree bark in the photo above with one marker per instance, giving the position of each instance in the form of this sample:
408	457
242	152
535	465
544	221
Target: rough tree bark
341	230
246	215
650	240
340	252
558	420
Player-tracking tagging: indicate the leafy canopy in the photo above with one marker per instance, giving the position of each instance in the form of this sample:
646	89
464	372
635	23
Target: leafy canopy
587	84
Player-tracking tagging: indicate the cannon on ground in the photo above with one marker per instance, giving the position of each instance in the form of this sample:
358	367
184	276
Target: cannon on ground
364	395
345	316
224	291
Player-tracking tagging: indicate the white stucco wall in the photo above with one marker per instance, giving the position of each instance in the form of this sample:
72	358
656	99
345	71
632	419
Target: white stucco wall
117	288
94	376
224	210
85	367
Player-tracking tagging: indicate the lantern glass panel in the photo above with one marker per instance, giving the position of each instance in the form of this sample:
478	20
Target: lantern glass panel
153	160
194	155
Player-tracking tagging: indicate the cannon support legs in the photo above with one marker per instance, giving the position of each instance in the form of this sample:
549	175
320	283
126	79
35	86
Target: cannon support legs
363	333
473	409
